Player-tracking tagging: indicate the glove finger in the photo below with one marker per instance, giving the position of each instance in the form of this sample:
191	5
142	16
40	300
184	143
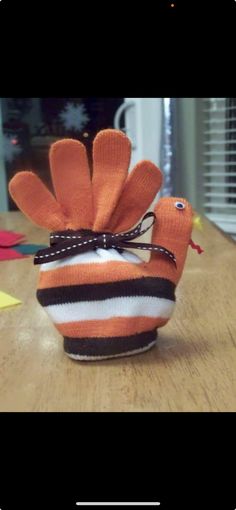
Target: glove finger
36	202
71	181
111	157
141	187
172	230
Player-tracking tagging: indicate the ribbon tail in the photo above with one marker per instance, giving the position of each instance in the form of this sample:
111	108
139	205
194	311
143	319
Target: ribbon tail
150	247
63	250
138	231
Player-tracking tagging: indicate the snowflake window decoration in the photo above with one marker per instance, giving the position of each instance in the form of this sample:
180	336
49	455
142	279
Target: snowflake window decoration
74	117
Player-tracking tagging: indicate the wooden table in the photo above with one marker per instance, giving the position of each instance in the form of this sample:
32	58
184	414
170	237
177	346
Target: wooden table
192	369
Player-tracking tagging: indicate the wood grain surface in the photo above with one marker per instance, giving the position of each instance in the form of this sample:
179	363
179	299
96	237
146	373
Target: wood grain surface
193	368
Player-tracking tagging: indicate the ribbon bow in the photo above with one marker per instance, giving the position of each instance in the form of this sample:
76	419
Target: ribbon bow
65	243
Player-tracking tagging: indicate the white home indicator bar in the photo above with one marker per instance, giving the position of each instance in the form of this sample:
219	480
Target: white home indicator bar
115	503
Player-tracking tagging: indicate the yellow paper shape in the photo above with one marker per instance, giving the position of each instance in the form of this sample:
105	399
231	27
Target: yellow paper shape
197	222
7	300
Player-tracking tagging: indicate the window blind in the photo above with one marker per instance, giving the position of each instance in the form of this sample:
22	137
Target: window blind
219	161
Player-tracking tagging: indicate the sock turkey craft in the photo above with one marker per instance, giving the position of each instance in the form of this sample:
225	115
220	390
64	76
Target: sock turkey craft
104	300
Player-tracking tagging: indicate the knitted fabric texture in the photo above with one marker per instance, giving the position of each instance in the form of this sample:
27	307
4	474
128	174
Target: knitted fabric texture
105	303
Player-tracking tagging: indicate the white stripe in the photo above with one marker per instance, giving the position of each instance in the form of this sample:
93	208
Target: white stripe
90	257
135	306
83	357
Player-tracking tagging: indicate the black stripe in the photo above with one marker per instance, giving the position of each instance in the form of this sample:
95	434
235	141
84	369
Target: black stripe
108	346
145	286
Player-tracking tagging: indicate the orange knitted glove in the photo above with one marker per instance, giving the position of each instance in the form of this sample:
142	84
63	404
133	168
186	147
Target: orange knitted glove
106	302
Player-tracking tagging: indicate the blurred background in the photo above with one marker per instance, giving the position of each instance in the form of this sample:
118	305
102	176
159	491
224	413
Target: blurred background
192	140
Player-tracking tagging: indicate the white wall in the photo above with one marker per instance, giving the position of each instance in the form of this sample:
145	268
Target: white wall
143	124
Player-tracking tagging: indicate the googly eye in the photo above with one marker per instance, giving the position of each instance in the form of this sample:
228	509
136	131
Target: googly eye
179	205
